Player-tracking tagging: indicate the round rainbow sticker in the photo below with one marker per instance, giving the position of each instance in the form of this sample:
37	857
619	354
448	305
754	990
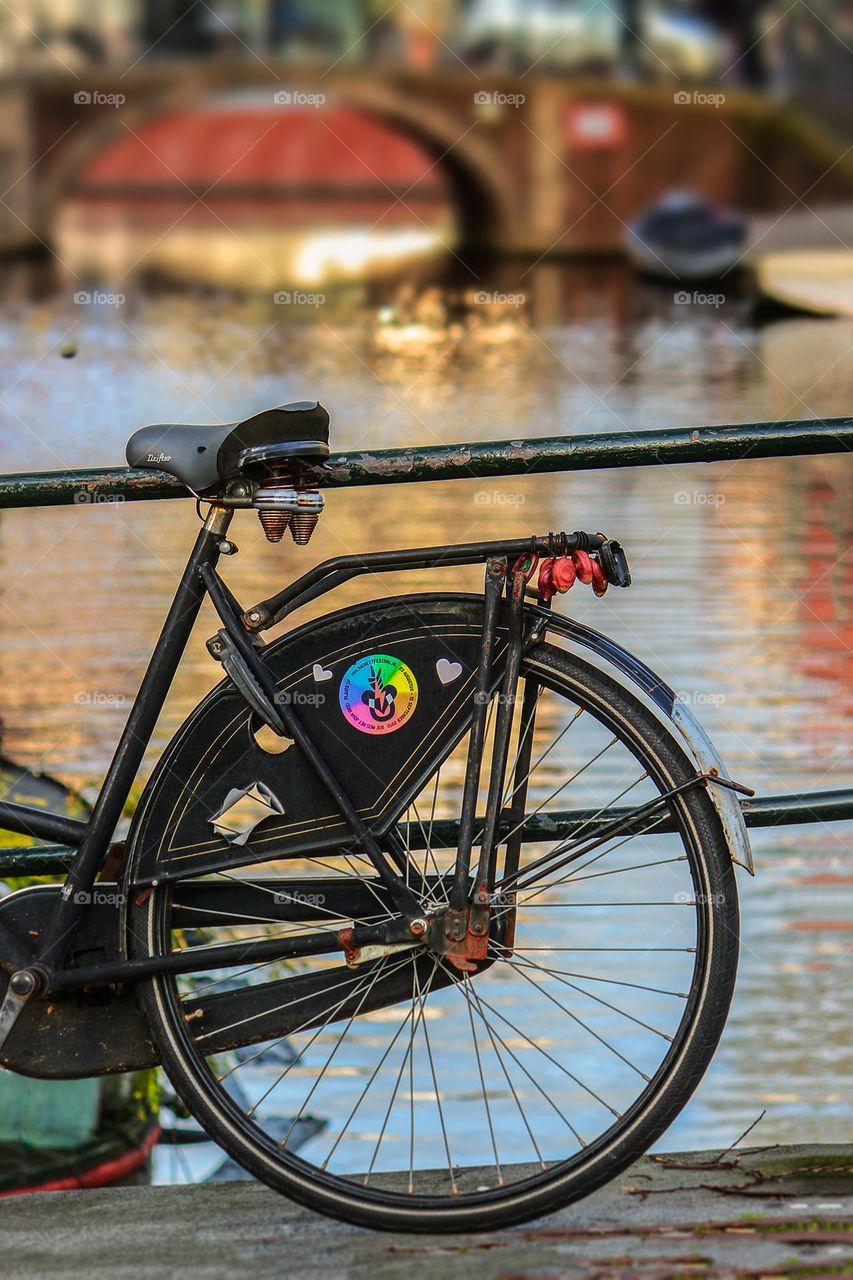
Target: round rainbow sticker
378	694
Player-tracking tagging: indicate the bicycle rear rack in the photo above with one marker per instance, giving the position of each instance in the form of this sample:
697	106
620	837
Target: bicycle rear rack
331	573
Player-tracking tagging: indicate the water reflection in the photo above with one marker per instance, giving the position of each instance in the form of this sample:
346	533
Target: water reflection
743	582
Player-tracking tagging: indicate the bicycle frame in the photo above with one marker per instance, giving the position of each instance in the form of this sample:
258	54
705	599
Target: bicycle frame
199	579
92	839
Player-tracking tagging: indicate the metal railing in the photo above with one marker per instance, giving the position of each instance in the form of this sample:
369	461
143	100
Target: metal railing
478	460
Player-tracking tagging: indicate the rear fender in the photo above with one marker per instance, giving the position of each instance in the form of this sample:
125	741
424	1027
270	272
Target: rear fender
214	758
657	694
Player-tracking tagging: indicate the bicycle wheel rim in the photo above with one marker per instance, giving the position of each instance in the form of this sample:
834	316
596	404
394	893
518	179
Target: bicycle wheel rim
337	1195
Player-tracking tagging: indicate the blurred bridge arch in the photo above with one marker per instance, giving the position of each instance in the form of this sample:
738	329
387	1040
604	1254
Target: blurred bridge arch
68	134
536	164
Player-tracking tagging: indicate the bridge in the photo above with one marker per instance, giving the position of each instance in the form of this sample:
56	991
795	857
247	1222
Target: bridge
536	165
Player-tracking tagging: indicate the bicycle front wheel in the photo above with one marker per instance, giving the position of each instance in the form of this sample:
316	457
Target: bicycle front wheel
465	1101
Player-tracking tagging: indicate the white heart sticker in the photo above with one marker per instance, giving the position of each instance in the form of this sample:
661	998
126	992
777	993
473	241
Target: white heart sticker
448	671
321	673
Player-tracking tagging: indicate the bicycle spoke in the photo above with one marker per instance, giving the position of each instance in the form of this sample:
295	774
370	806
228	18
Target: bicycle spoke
619	982
435	1087
611	950
560	789
197	992
483	1090
604	853
293	884
586	1088
429	857
412	1032
331	1010
334	1051
373	1076
471	998
581	1023
535	765
598	999
523	739
287	1004
609	805
637	866
480	1002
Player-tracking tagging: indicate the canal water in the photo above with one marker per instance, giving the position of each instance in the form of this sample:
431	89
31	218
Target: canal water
743	579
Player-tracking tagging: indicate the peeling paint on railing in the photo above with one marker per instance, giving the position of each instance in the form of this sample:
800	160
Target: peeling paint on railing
471	461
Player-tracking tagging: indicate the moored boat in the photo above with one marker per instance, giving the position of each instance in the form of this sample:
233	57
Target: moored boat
818	281
683	236
62	1135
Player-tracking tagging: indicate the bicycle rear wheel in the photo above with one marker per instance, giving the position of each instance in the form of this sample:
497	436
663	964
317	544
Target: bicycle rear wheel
458	1102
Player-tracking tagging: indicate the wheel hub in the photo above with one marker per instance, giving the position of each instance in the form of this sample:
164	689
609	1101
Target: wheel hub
462	935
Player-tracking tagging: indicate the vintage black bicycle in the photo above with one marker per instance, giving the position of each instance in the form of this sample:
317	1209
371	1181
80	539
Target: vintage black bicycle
446	878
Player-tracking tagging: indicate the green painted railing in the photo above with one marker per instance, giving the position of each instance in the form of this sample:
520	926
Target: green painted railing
484	459
479	460
769	811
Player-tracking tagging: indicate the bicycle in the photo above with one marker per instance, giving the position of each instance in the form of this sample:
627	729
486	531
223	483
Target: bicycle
351	902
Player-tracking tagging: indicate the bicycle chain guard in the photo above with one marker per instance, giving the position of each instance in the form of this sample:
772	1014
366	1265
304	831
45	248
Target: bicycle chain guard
385	690
101	1030
80	1033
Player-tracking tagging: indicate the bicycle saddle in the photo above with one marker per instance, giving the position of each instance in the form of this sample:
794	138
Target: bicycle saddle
206	458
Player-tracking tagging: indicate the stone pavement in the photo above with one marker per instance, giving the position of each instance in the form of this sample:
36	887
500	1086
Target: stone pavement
764	1212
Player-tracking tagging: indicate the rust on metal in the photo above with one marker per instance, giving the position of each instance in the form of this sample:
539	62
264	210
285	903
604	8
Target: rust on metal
462	936
350	952
469	461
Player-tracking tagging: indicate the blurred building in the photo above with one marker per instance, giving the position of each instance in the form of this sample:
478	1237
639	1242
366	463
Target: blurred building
524	126
809	51
43	34
654	37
